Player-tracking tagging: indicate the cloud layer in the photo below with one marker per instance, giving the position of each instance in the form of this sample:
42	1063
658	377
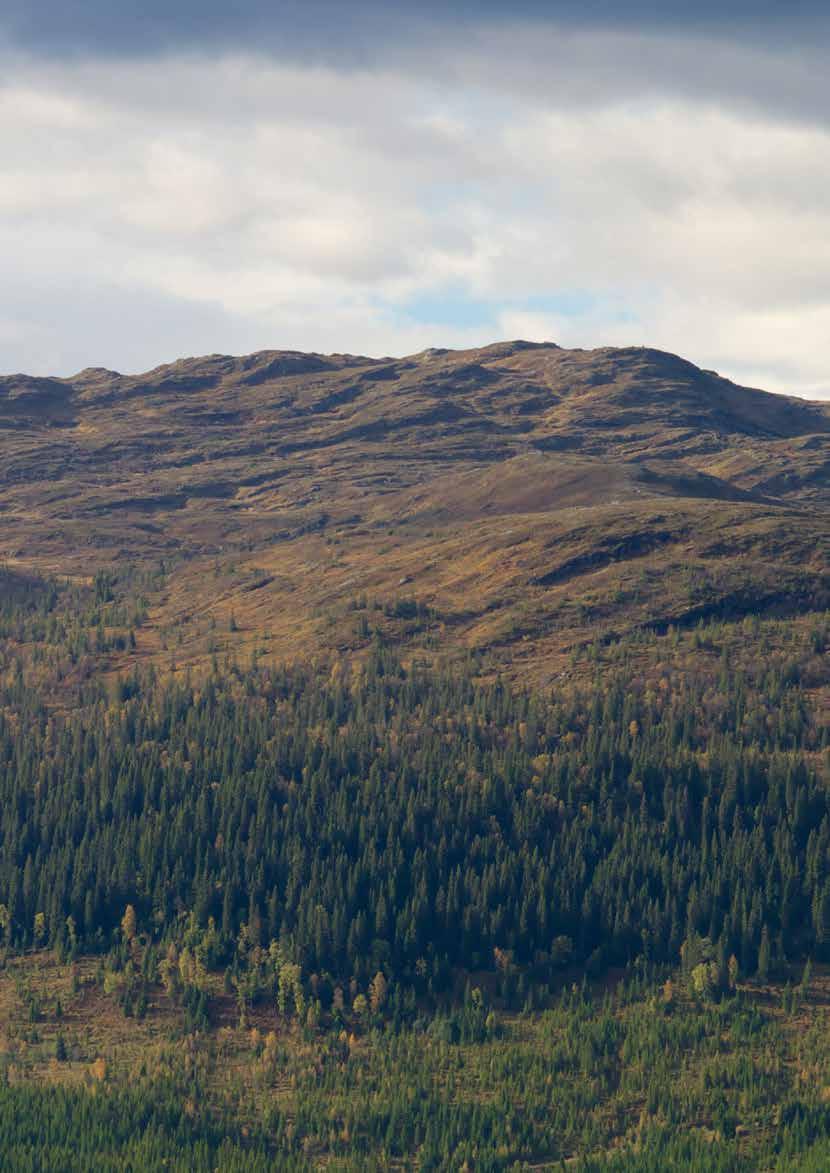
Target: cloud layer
582	183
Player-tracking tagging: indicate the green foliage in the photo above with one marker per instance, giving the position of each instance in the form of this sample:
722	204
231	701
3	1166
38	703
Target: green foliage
354	847
56	1129
413	822
598	1082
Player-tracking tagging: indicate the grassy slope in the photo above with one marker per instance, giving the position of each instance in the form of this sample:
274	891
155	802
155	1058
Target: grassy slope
527	498
539	504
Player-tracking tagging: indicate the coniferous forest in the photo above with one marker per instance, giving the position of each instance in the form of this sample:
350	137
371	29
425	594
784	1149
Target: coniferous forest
415	735
377	910
416	821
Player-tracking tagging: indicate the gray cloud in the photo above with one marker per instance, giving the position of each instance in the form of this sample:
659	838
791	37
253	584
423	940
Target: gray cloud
355	32
572	180
65	324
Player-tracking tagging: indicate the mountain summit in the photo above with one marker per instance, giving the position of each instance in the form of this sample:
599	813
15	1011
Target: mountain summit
521	496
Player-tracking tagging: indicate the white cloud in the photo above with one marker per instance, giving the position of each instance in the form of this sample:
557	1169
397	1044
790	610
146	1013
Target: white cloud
234	203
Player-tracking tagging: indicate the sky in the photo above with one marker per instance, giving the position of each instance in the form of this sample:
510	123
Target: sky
198	177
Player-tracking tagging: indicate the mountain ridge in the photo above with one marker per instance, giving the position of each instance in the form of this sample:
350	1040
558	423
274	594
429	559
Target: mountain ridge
482	484
278	363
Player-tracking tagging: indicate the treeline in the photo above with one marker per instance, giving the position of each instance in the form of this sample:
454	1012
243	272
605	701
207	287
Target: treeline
64	629
414	822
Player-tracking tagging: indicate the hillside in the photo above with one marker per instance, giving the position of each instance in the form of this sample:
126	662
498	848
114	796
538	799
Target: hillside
520	498
414	764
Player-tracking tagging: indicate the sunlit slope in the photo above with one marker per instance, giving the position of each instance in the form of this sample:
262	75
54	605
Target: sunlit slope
520	497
